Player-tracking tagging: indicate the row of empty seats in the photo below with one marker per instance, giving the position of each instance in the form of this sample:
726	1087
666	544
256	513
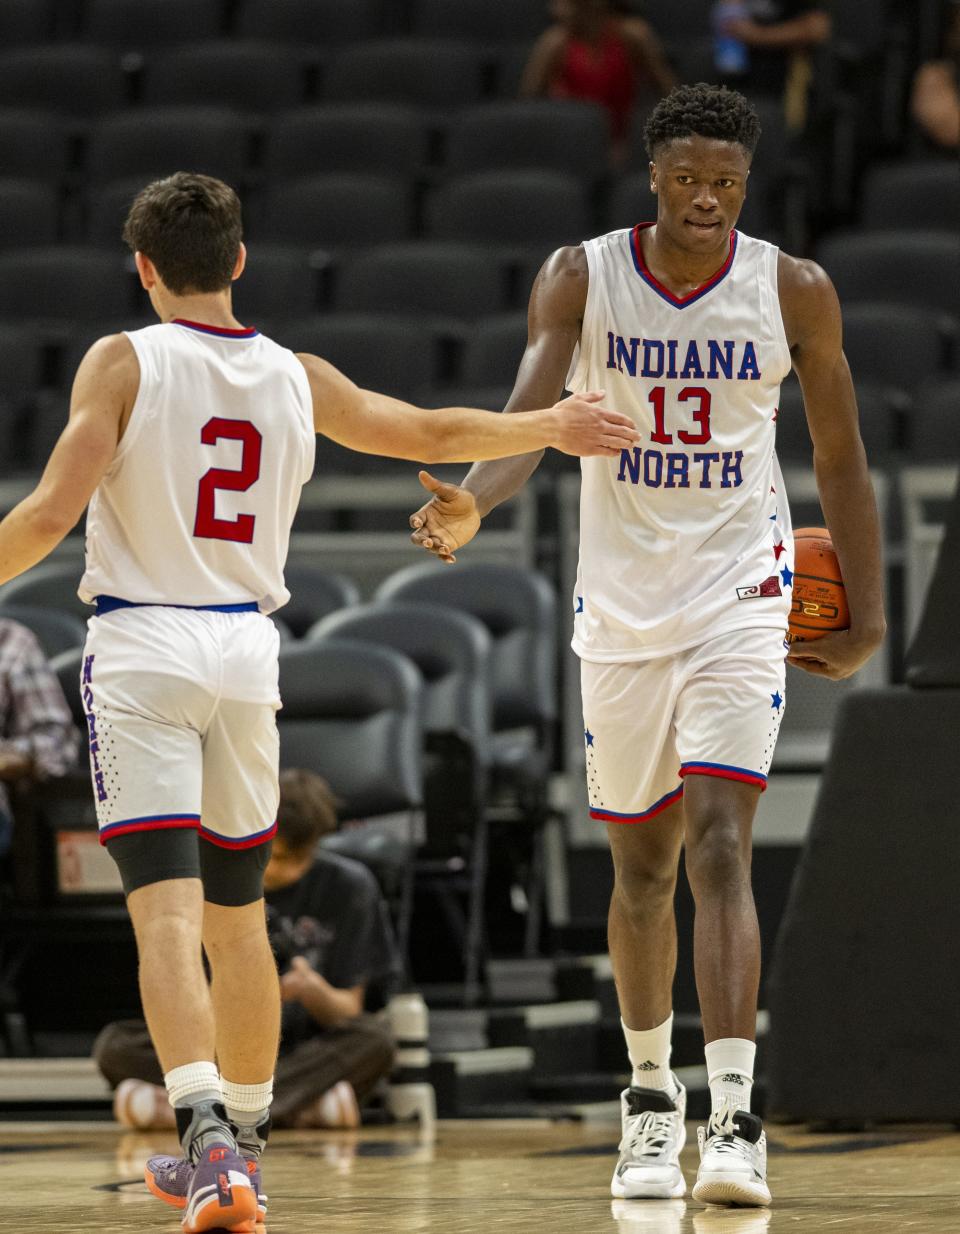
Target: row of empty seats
134	24
435	279
353	208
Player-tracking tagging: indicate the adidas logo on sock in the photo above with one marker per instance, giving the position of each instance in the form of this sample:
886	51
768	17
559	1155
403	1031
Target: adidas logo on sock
732	1077
647	1066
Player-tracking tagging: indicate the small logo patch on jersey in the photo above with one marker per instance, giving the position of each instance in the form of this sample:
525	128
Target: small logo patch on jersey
769	587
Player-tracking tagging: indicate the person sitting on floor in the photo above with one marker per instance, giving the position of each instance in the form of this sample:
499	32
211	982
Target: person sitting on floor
338	963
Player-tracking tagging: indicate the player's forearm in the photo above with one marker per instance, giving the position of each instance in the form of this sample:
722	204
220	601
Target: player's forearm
495	481
463	435
850	508
28	533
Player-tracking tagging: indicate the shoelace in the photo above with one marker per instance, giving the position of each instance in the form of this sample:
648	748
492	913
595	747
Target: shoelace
723	1126
651	1134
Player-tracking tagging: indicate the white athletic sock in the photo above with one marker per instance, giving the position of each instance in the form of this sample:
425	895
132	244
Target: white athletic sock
248	1106
730	1072
649	1052
193	1083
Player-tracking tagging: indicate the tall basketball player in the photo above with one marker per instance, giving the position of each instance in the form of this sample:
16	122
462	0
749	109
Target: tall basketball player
191	440
683	592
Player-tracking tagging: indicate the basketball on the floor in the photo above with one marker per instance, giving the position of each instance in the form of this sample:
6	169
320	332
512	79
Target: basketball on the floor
819	597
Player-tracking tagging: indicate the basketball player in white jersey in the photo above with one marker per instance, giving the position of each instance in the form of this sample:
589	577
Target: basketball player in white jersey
191	440
683	592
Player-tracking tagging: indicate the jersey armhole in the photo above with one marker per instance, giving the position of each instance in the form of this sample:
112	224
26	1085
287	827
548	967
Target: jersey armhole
137	412
580	361
776	314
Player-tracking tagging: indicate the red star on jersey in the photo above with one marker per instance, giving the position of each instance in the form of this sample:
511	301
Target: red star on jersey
777	550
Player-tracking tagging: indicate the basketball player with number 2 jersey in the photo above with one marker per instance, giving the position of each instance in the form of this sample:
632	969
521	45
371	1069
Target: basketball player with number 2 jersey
683	594
191	440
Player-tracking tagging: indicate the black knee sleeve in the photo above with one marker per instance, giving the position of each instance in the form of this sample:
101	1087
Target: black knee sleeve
233	877
145	857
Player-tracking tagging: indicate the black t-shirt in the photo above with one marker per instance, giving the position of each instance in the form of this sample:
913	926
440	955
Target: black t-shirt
336	918
768	67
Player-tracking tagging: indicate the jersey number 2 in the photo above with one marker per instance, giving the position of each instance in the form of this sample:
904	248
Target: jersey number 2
207	526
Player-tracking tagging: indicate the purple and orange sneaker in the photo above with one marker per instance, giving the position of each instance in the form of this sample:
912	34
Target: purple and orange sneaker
216	1194
168	1178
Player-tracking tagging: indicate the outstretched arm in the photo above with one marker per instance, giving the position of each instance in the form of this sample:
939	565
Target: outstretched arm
375	424
104	391
811	314
807	30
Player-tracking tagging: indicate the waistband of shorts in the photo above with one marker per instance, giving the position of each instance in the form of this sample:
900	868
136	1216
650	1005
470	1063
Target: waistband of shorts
109	604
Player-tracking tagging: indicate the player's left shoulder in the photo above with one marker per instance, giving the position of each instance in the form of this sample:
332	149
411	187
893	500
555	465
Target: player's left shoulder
808	299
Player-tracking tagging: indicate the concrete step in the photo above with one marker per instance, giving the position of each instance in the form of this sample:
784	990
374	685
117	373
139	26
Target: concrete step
459	1028
40	1085
562	1035
522	981
468	1078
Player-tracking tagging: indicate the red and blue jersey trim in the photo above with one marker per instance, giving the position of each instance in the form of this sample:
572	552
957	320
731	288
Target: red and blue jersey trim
259	837
725	771
217	331
644	816
636	249
170	822
148	822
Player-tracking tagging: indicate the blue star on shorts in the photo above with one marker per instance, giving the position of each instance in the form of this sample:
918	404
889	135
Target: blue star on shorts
579	608
787	575
777	701
589	736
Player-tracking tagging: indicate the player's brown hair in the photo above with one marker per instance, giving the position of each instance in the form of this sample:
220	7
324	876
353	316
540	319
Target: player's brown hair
308	809
190	228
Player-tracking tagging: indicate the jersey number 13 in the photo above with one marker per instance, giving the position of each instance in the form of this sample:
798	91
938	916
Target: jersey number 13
207	526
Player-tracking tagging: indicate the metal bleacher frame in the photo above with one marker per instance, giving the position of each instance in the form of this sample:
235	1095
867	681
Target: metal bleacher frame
925	493
804	749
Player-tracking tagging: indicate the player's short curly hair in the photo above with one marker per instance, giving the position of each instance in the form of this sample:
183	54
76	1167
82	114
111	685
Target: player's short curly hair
703	111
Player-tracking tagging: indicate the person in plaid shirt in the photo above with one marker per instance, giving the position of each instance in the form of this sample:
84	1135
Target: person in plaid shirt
37	734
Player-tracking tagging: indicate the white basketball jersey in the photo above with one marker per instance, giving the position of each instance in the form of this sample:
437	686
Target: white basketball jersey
197	504
687	535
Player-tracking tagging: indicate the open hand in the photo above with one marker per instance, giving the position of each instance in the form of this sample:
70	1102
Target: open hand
587	429
447	522
836	655
296	980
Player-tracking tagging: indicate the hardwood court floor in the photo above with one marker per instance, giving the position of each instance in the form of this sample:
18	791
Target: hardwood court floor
529	1177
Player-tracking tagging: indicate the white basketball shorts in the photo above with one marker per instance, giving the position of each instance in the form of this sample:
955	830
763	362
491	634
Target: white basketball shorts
181	711
714	710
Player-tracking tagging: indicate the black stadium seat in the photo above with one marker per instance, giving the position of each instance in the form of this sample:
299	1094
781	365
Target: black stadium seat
418	72
29	213
142	25
934	425
494	349
391	355
107	207
21	360
63	284
74	80
56	632
481	20
523	208
158	141
24	23
314	594
898	344
360	137
550	134
337	209
49	585
254	77
876	404
310	21
907	267
278	282
451	280
33	144
914	195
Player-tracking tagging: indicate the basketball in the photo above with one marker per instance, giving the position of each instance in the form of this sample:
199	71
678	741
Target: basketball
819	597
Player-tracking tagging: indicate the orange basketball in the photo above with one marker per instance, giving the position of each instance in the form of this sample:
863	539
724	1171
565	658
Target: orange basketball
819	597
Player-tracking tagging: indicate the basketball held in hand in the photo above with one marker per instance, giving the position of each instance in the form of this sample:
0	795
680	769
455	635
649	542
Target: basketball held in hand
819	597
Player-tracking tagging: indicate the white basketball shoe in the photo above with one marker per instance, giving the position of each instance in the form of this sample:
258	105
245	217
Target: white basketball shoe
653	1137
733	1159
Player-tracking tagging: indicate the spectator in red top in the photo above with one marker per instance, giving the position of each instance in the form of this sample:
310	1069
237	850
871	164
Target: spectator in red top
595	54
